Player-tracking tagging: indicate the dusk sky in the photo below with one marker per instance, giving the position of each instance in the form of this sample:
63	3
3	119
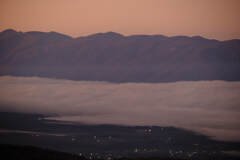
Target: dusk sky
217	19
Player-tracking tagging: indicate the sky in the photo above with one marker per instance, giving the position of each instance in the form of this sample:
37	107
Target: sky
208	107
215	19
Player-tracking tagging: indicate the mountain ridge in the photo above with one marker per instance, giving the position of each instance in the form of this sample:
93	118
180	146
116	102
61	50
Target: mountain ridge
115	57
116	33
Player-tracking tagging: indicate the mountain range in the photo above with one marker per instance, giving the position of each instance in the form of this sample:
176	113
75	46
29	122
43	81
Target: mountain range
117	58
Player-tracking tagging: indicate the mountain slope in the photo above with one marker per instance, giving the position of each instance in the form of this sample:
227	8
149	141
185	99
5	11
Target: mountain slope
113	57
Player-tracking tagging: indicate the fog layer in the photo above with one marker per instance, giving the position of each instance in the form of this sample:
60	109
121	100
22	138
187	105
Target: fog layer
208	107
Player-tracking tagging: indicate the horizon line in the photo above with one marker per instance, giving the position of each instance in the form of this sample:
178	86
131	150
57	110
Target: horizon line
121	34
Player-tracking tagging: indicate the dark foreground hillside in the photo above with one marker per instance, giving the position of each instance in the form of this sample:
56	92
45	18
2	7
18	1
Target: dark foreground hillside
13	152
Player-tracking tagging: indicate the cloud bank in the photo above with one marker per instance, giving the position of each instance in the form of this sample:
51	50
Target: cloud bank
208	107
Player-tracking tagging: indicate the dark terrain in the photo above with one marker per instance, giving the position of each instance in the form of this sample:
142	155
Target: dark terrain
108	141
10	152
113	57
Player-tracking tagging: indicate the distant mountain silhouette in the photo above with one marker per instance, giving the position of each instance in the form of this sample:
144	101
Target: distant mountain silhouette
113	57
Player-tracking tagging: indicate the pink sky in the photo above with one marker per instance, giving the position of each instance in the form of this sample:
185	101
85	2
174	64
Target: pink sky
218	19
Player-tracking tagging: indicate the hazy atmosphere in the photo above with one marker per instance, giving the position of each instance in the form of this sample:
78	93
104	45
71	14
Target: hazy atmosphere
209	107
215	19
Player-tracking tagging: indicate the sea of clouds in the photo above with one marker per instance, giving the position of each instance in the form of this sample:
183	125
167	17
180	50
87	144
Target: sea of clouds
209	107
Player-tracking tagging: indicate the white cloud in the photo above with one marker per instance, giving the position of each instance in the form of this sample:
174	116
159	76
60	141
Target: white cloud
209	107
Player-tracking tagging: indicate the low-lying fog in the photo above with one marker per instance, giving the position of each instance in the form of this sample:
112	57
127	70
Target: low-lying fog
208	107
